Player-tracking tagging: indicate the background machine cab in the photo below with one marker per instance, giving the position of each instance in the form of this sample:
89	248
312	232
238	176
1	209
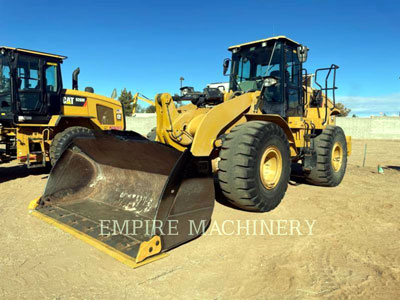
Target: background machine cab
31	86
38	118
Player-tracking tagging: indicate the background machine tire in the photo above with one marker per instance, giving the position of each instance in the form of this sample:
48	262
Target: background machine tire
152	134
64	138
254	166
331	148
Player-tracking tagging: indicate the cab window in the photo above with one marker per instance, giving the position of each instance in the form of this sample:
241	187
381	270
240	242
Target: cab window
5	85
244	69
51	77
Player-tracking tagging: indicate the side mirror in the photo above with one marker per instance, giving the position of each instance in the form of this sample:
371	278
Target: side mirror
225	65
302	53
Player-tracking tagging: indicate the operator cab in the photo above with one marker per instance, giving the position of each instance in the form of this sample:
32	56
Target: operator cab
273	66
30	85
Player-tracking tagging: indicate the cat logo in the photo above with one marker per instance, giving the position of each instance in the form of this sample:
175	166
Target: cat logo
74	101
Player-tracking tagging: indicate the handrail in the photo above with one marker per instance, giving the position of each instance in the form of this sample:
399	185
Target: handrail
326	88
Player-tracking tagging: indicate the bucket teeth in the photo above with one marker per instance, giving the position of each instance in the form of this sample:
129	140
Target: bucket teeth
148	249
127	193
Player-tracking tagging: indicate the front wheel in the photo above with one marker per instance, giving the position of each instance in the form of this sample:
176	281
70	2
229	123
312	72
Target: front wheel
62	140
254	166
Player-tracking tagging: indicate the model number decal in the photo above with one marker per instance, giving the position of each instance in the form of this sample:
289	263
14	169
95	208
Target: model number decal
74	101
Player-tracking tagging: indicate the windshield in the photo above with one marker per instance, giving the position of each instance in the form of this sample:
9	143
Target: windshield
251	65
5	85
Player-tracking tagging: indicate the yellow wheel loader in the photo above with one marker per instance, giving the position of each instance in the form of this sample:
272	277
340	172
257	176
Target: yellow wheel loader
136	199
38	118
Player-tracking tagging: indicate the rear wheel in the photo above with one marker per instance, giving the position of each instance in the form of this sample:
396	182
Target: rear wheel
254	166
331	148
62	140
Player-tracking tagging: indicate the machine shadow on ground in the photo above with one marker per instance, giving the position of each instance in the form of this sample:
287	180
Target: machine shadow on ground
21	171
396	168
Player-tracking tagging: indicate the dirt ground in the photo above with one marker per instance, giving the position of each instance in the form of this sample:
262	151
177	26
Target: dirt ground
353	252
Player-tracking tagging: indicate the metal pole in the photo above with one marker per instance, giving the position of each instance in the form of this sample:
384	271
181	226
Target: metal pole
181	79
365	154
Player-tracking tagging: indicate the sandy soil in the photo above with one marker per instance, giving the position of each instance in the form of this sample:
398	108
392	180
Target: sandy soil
353	252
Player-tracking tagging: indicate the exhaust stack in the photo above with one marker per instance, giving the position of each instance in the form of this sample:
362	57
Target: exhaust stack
75	78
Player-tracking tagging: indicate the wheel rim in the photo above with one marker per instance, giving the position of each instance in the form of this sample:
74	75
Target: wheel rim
271	167
337	156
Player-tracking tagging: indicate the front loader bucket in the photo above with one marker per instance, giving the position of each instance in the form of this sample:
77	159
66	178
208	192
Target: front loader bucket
128	196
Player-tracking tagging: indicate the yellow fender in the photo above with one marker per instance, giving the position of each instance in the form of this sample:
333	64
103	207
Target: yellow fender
222	116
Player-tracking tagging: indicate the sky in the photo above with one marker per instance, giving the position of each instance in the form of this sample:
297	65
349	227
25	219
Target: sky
146	46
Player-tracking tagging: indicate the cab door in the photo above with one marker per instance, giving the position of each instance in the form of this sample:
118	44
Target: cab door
52	87
293	88
30	96
38	88
274	95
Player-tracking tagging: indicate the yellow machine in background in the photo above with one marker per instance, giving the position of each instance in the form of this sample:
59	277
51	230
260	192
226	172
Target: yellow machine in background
38	117
246	140
143	98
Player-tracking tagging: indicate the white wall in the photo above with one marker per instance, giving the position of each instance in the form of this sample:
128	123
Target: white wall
357	128
141	123
371	128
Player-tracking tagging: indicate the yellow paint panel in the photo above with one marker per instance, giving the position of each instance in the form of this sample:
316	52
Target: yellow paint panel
90	109
75	110
53	120
33	204
216	120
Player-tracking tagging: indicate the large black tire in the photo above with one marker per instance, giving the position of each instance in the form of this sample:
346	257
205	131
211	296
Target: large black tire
152	134
327	172
240	161
62	140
